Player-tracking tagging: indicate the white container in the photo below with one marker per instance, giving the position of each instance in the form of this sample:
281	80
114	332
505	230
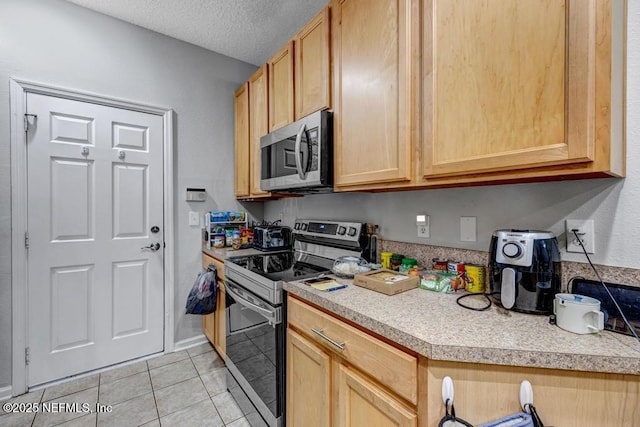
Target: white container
578	313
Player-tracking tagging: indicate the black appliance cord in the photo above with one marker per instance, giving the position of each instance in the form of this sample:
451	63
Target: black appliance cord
485	295
606	288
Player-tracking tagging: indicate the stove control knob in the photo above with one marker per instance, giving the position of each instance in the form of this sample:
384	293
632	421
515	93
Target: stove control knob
512	250
297	226
304	226
342	230
352	231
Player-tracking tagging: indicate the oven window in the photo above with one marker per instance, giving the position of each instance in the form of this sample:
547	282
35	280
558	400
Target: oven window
254	353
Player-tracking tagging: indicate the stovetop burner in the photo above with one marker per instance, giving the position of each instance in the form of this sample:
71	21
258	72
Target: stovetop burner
281	266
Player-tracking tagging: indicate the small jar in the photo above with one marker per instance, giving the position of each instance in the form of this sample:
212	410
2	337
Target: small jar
396	260
236	241
218	240
385	259
407	264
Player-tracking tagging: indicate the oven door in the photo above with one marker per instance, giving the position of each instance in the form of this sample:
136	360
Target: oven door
255	350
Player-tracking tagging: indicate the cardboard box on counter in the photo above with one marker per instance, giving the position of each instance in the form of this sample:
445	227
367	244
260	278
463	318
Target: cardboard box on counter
388	282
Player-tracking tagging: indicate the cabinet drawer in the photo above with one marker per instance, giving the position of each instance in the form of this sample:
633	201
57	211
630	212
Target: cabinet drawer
392	367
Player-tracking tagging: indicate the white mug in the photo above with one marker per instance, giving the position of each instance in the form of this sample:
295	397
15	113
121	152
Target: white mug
578	313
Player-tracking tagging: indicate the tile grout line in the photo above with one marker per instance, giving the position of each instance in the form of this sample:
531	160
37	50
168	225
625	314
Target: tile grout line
205	389
153	391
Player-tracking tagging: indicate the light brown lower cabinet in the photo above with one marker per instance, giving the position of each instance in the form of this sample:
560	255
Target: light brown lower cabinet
338	375
214	324
342	375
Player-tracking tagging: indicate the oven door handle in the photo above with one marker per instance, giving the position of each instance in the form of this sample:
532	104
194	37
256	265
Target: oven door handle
271	316
302	173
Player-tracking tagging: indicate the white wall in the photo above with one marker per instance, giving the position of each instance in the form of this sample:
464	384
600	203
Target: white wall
58	43
614	204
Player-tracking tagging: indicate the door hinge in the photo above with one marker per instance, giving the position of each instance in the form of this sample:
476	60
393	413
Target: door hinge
26	240
26	355
26	120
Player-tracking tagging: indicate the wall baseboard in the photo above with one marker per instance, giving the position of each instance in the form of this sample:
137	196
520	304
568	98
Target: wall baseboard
190	342
5	392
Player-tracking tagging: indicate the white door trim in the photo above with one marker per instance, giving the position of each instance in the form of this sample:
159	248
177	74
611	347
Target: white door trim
19	267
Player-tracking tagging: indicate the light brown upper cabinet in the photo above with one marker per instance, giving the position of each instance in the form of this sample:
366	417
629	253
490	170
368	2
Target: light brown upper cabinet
508	86
241	104
312	67
510	91
375	55
258	125
281	87
251	123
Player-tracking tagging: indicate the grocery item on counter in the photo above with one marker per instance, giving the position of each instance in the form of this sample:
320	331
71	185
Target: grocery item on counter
385	259
218	240
227	216
457	268
437	280
236	241
348	266
228	236
407	264
440	264
475	277
396	260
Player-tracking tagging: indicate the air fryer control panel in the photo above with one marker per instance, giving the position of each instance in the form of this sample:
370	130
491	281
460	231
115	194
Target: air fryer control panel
516	247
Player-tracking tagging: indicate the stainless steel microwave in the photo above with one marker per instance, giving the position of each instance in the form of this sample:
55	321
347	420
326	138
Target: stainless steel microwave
298	158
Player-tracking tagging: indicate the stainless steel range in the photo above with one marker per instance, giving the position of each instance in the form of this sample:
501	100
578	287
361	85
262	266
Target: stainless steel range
255	311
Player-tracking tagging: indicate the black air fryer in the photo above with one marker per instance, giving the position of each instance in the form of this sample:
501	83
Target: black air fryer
524	270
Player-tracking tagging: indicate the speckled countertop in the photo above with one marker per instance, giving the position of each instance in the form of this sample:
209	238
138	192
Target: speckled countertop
433	325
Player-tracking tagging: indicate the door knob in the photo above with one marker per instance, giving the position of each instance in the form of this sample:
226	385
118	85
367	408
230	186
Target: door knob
153	246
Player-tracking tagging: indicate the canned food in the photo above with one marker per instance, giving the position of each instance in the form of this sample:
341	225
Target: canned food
440	264
475	278
457	267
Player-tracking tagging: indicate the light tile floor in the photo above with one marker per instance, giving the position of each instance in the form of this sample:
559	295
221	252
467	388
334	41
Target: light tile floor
186	388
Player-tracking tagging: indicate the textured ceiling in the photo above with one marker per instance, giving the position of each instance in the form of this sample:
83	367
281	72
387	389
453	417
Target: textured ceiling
249	30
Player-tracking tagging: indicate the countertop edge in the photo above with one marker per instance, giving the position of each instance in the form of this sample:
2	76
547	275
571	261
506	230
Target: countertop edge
482	355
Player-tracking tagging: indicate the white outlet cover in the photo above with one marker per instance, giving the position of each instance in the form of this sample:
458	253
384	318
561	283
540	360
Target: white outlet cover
194	219
468	231
586	233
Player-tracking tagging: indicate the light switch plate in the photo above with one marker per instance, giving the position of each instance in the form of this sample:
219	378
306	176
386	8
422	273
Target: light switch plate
194	219
468	231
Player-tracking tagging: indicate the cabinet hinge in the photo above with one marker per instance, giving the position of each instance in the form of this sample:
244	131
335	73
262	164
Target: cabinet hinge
26	240
26	120
26	355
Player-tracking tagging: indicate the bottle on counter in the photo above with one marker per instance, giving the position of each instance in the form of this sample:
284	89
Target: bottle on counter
385	259
236	240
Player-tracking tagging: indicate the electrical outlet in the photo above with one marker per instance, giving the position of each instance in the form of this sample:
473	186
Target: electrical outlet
585	231
422	222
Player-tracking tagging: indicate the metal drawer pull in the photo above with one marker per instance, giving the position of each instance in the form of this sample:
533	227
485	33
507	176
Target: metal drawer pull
323	336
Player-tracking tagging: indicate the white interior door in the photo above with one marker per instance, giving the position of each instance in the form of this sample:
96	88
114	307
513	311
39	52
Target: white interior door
95	196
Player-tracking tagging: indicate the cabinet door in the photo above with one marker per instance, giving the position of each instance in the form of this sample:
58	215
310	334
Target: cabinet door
361	402
242	162
374	56
312	66
507	84
308	383
281	87
258	126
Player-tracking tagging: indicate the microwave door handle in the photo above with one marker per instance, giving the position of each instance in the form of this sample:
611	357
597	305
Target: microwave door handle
302	173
